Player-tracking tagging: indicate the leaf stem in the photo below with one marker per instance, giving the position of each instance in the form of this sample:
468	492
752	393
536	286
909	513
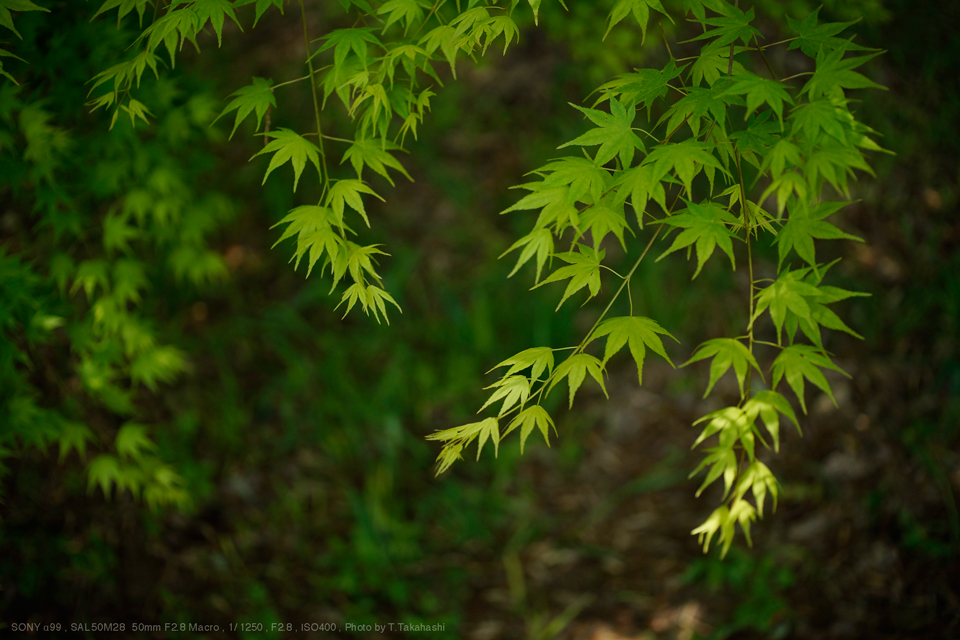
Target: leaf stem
325	176
747	226
765	61
283	84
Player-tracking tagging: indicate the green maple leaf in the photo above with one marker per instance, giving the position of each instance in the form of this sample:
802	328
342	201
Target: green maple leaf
815	37
637	333
538	359
726	352
685	159
733	25
601	220
575	369
759	136
535	417
800	361
833	70
7	54
640	10
104	470
538	242
502	25
694	106
347	192
583	270
707	225
722	462
123	7
74	435
640	183
158	364
256	98
289	146
806	223
463	435
216	11
783	154
586	180
172	30
371	298
6	6
129	277
835	162
132	441
614	133
510	389
343	41
409	11
312	224
768	405
816	299
356	260
262	6
644	86
697	7
759	91
557	208
376	155
712	64
821	115
788	293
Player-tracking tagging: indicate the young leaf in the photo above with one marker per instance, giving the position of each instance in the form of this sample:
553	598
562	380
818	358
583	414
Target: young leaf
800	361
769	405
601	220
256	98
529	419
583	270
539	242
510	389
614	133
705	224
686	159
705	531
262	6
805	224
640	10
289	146
732	25
759	91
635	332
132	441
788	293
347	192
586	181
722	461
6	6
312	226
343	41
833	71
215	11
575	369
813	38
376	155
409	11
641	184
539	358
642	87
726	352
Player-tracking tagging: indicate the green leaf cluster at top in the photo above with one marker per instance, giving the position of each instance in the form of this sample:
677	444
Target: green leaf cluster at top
749	157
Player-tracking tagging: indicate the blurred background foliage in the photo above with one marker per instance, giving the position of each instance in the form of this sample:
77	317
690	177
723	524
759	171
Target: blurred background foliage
304	488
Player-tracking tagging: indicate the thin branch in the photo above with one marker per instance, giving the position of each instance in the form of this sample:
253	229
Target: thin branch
316	104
